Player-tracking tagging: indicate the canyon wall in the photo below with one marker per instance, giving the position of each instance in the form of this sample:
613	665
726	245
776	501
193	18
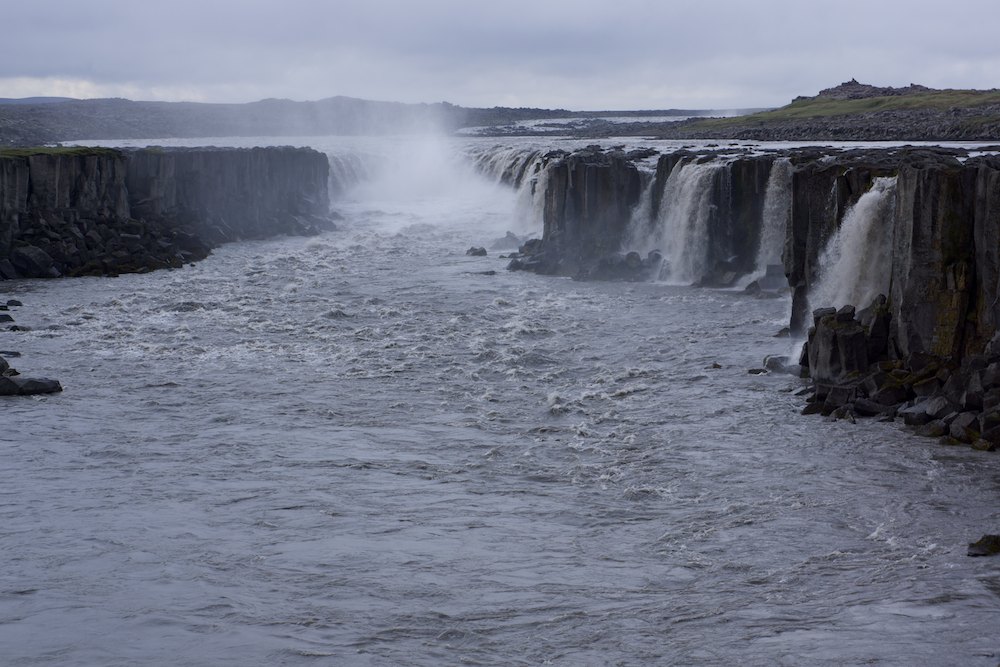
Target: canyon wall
941	239
83	211
891	256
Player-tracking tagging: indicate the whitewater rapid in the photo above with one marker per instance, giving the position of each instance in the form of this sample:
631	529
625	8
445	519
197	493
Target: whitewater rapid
367	448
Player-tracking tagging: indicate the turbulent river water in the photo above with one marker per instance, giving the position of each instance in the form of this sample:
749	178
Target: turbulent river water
366	448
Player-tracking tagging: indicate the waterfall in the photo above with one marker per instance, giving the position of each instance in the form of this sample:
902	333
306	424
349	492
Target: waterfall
856	264
508	166
346	171
525	171
679	230
776	217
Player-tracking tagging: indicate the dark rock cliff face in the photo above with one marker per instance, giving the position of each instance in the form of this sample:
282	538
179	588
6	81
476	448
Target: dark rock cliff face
226	195
96	211
929	346
588	198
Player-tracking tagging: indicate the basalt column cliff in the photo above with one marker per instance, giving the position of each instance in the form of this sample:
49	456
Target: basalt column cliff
892	257
96	211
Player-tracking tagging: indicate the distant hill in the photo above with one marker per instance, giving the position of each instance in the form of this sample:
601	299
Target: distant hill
41	120
851	111
860	112
34	100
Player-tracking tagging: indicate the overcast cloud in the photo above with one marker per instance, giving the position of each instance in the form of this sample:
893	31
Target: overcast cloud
576	54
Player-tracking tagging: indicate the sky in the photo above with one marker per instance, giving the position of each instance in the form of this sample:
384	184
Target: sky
573	54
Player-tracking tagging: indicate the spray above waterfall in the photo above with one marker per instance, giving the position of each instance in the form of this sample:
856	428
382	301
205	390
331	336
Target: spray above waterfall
856	264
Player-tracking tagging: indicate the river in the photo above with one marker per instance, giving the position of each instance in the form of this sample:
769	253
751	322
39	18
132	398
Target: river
367	448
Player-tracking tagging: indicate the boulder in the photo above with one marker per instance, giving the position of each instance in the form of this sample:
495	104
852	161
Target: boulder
965	427
33	262
987	545
476	251
914	415
31	386
938	407
777	363
869	408
7	270
933	429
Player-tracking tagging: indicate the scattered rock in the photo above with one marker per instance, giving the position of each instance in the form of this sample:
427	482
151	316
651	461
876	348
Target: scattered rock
987	545
476	252
31	386
18	386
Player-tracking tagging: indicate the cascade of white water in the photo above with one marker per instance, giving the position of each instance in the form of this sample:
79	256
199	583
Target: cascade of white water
679	229
640	221
855	266
776	216
525	171
509	166
346	171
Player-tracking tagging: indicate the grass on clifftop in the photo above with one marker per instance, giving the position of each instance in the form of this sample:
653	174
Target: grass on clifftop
824	107
70	151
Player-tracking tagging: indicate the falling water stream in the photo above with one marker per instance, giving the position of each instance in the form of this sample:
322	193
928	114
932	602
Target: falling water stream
855	266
